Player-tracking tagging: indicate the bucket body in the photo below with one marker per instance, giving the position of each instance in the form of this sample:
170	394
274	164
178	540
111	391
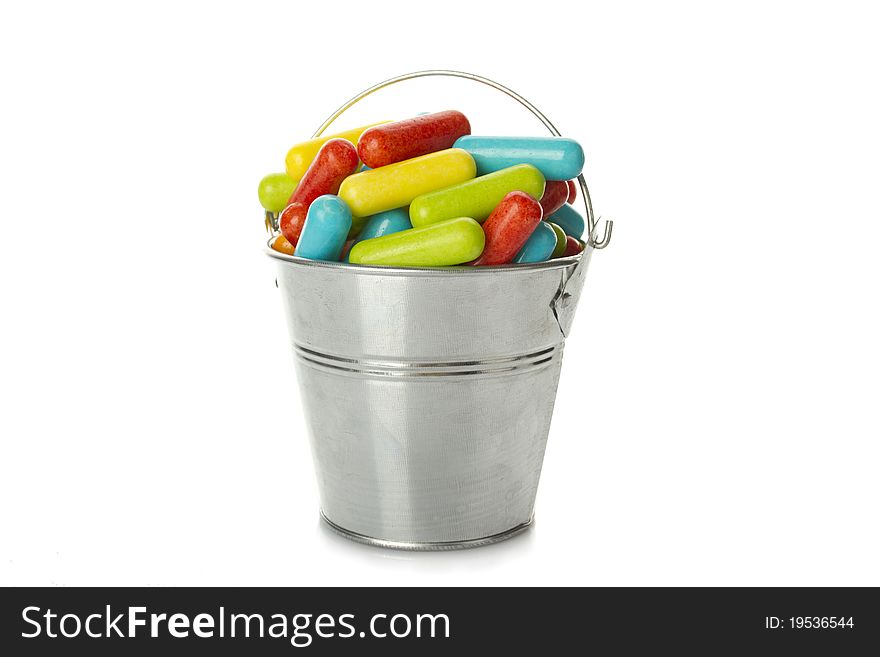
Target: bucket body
428	393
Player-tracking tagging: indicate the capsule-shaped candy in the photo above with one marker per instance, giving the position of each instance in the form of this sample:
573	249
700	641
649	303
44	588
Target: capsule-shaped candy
539	247
281	245
475	198
396	185
301	156
555	195
508	227
403	140
569	220
384	223
451	242
572	191
572	246
561	238
325	230
274	190
291	221
558	158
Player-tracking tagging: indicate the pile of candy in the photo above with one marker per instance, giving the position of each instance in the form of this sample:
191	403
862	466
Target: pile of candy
428	194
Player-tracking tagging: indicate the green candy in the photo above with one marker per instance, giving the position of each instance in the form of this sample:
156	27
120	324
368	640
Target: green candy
442	244
559	251
274	191
475	198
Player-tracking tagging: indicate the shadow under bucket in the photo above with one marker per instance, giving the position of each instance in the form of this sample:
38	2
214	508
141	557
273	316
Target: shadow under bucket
428	393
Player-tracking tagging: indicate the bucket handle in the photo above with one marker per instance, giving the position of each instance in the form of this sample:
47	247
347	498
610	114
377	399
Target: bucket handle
592	221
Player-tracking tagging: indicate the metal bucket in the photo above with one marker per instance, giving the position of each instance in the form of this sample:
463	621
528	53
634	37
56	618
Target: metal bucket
428	393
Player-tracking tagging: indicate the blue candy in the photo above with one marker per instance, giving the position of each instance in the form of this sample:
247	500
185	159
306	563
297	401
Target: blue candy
557	158
569	220
325	229
384	223
539	247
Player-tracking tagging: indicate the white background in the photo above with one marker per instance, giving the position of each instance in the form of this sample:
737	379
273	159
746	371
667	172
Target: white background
717	419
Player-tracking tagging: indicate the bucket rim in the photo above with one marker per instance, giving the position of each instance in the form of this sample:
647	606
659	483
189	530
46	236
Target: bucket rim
556	263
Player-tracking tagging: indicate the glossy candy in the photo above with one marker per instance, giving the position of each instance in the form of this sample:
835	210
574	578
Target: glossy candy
572	246
572	191
558	158
561	238
475	198
393	142
539	247
281	245
385	223
508	227
300	157
274	190
451	242
325	230
336	160
569	220
396	185
555	195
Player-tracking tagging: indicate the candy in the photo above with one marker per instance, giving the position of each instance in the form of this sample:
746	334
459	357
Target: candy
555	195
403	140
572	246
508	227
384	223
451	242
281	245
539	247
300	156
569	220
396	185
557	158
325	230
572	191
274	190
561	239
475	198
291	221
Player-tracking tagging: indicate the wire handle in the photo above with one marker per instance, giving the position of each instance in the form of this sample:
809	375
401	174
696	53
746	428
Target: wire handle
585	193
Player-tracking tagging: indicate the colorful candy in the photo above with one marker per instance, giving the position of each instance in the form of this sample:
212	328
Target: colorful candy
572	191
569	220
572	246
281	245
555	195
274	190
385	223
558	158
451	242
403	140
539	247
336	160
396	185
508	227
475	198
300	157
325	229
561	238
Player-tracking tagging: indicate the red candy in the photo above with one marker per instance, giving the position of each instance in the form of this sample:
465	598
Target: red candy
572	247
556	193
291	221
336	160
572	191
508	227
403	140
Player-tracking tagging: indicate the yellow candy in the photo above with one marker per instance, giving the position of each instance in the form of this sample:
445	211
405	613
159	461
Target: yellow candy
300	156
396	185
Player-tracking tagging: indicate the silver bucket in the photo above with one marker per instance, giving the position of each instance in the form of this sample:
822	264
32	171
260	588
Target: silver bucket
428	393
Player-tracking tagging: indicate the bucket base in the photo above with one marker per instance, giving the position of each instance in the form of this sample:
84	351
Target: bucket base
426	547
